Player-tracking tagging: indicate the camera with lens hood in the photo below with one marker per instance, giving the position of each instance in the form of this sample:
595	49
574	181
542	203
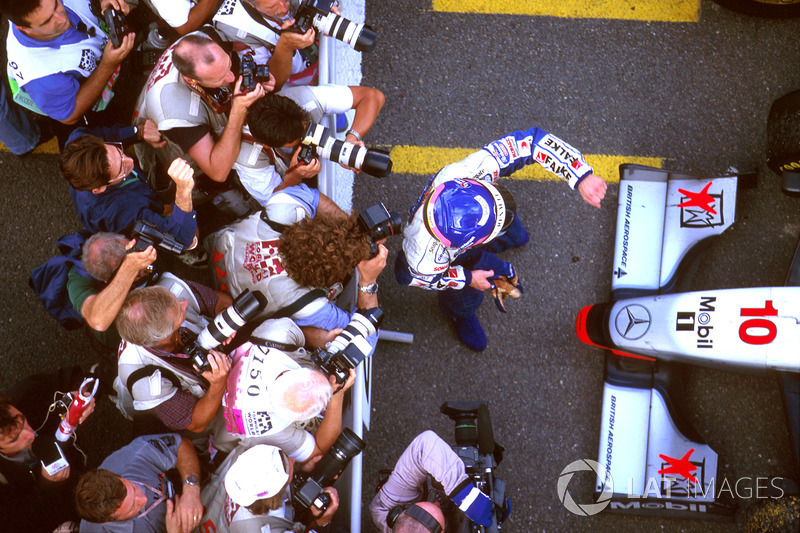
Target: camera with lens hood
318	141
317	13
307	490
148	234
379	223
245	307
477	449
350	347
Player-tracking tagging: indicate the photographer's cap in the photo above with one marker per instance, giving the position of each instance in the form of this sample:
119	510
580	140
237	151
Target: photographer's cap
287	209
256	474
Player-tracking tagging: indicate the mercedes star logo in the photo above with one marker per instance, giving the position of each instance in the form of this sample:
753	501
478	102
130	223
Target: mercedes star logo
632	321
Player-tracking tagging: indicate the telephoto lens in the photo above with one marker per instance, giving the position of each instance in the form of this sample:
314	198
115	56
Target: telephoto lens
360	37
374	162
245	307
308	491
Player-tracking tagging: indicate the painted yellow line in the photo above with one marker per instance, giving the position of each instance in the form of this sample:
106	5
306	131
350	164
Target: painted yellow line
50	147
428	160
671	11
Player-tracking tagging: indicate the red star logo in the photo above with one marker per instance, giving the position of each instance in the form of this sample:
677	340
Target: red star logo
700	199
680	466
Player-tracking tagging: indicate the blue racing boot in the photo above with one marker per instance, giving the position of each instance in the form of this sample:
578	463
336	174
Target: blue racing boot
470	332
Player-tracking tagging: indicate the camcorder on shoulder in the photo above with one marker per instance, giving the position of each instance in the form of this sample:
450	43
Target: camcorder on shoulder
117	25
379	223
307	489
318	141
317	13
350	347
245	307
252	73
148	234
477	449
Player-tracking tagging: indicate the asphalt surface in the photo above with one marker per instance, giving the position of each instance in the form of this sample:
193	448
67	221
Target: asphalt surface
695	94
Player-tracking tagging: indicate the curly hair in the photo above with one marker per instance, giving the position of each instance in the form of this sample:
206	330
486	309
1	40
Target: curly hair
323	250
99	495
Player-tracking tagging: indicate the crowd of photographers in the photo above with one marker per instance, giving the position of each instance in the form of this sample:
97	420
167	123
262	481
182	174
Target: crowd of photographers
190	137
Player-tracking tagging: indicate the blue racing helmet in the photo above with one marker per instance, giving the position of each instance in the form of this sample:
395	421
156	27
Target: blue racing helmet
463	213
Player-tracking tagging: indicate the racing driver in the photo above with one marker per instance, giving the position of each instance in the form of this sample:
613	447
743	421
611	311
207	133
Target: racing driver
464	216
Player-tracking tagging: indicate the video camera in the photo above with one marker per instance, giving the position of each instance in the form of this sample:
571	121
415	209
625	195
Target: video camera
117	24
318	141
251	73
307	489
476	448
379	223
245	307
317	13
147	234
350	347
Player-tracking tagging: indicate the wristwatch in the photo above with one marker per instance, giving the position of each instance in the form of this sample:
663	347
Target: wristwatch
192	481
372	288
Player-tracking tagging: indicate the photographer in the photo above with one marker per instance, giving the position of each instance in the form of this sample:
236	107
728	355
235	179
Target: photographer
298	255
427	455
278	123
109	194
263	25
251	493
63	65
114	272
155	325
31	500
271	396
192	97
464	216
127	492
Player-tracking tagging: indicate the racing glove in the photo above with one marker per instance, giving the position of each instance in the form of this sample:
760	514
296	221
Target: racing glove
473	503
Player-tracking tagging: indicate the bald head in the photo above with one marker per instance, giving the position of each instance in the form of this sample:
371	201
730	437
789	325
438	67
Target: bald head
198	57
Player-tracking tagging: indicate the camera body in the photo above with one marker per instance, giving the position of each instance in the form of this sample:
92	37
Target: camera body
350	347
251	72
245	307
317	14
117	24
318	141
476	448
307	490
379	223
147	234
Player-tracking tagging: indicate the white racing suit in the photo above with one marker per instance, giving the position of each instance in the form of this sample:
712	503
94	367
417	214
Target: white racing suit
425	262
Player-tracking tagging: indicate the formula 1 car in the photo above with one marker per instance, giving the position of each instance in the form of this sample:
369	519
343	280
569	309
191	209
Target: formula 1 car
654	462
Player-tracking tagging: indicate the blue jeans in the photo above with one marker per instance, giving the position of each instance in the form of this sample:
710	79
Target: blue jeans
465	302
17	132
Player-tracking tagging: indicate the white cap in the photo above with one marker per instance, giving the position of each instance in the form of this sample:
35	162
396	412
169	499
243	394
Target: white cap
283	208
256	474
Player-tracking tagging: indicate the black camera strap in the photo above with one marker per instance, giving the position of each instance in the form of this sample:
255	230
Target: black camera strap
424	517
258	17
300	303
148	370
